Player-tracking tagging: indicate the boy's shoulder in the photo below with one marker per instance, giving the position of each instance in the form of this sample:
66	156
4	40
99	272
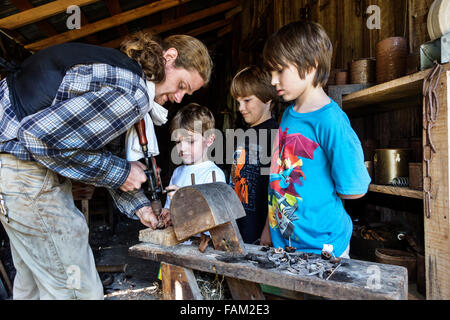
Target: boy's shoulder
203	167
268	124
204	172
331	113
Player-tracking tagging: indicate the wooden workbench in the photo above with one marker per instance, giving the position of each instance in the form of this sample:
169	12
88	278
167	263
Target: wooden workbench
353	280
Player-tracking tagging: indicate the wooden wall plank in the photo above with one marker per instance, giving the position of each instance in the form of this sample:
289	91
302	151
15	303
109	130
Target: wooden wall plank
346	23
418	16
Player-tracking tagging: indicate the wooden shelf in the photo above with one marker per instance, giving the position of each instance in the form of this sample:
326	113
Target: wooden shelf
397	191
386	96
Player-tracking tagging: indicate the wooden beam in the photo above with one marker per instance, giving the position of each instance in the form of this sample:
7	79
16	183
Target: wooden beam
230	14
208	27
45	26
40	13
107	23
114	9
224	30
14	35
169	25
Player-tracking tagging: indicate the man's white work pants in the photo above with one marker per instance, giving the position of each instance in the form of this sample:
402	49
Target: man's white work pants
49	236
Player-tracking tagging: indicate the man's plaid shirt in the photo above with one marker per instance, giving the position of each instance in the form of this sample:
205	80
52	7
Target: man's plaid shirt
95	104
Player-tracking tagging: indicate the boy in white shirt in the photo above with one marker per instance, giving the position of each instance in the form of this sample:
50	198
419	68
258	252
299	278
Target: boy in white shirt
192	131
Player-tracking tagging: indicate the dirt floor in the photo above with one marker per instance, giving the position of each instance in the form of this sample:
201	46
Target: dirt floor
110	248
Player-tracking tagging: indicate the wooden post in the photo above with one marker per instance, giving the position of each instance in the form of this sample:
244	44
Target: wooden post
437	227
227	238
179	283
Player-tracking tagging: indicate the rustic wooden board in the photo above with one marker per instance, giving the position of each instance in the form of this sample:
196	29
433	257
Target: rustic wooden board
408	86
164	237
351	281
437	228
179	283
397	191
227	238
244	290
201	207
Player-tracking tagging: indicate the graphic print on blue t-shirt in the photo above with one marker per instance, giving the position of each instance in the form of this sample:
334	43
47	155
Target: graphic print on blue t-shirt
316	157
286	178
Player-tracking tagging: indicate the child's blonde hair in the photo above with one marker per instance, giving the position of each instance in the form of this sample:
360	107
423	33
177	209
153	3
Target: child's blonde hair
254	81
304	44
190	116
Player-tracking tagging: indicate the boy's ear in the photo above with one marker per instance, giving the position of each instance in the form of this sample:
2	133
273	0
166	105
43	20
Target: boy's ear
210	140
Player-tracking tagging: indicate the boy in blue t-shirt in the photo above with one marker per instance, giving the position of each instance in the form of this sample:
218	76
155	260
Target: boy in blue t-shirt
317	158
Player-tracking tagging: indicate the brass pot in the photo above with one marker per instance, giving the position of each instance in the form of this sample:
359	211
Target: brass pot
390	164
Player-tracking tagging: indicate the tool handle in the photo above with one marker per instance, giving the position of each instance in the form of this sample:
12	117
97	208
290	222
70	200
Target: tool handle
140	129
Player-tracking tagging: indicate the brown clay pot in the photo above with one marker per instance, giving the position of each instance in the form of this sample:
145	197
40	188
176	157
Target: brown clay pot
391	56
362	71
341	77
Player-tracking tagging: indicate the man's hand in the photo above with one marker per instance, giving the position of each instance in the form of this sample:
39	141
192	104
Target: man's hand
171	190
136	177
165	217
147	217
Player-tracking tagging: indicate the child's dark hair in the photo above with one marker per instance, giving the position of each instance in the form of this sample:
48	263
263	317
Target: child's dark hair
191	114
254	81
304	44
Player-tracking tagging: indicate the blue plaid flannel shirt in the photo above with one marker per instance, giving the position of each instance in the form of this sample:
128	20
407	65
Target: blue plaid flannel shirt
95	104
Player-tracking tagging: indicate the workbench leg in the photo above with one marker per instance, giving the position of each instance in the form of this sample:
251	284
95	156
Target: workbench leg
244	290
226	237
179	283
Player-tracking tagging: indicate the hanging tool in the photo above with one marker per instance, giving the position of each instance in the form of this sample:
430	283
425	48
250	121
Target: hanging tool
153	187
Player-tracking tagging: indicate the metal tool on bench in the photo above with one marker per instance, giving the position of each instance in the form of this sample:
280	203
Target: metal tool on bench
153	187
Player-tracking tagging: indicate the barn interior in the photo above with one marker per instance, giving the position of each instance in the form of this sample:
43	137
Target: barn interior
385	114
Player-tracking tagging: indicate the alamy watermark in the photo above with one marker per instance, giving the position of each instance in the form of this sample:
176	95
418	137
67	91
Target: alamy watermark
74	19
374	20
258	144
374	280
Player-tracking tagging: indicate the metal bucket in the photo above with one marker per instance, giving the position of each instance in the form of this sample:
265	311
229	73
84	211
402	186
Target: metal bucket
391	56
390	164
